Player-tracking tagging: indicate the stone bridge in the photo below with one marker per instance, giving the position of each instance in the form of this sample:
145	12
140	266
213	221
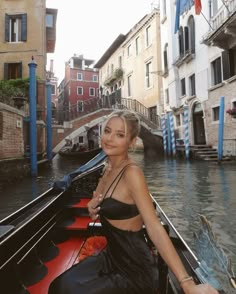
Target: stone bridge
152	142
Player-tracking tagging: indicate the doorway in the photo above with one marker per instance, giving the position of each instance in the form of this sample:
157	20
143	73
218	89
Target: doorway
198	125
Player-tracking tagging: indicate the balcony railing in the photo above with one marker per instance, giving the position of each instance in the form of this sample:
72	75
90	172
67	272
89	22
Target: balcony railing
221	16
84	107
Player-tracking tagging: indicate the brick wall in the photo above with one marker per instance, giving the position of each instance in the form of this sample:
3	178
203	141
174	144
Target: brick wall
11	132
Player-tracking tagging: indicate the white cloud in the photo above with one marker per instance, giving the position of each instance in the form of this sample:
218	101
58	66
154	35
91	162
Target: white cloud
89	27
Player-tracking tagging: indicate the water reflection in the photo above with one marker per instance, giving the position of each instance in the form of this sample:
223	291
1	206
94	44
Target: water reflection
187	189
183	189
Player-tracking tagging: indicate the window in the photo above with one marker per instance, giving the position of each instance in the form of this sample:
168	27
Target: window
137	45
129	86
148	36
80	106
229	63
49	20
12	70
183	88
79	90
53	89
191	36
216	74
95	78
192	88
129	50
215	113
167	96
147	75
178	120
164	7
165	57
15	28
181	41
120	61
79	76
91	91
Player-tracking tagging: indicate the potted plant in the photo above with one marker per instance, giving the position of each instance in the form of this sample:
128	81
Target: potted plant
232	112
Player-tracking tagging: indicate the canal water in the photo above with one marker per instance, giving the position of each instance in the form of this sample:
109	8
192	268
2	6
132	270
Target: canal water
183	189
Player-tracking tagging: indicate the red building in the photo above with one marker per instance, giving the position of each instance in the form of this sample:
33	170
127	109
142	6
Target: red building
80	87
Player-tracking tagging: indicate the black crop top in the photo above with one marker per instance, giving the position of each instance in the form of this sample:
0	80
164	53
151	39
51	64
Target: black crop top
114	209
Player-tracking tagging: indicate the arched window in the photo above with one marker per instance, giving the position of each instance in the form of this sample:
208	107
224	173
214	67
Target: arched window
165	58
181	41
191	28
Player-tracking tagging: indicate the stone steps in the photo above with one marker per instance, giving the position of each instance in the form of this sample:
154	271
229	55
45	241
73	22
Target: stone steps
207	153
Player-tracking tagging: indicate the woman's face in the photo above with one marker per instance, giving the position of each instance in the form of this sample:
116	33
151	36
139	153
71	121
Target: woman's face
115	138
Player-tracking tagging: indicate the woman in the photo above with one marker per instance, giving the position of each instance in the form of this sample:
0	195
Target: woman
123	204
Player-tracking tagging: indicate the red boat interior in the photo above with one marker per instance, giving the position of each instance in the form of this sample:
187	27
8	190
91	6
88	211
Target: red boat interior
67	249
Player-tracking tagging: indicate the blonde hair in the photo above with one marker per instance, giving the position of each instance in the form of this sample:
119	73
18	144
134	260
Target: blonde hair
131	121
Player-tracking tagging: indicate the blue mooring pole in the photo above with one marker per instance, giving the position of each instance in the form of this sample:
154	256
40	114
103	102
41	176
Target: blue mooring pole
221	128
168	134
33	126
49	121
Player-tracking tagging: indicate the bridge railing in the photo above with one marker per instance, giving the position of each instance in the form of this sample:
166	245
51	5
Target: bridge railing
83	107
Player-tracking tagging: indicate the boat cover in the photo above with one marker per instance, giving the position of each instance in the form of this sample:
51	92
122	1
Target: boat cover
67	179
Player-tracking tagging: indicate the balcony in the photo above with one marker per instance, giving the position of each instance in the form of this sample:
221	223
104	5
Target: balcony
114	77
51	17
223	27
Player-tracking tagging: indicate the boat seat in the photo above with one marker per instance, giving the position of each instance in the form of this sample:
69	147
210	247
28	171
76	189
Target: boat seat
5	230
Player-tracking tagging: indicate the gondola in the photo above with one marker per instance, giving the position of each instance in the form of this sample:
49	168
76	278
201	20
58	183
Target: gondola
84	155
45	237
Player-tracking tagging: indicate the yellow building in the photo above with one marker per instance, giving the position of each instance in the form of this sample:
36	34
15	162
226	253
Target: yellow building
28	30
131	66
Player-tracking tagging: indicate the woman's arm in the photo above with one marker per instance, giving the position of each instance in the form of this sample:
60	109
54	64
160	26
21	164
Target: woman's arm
139	192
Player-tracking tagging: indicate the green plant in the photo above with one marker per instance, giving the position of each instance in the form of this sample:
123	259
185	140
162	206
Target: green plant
13	88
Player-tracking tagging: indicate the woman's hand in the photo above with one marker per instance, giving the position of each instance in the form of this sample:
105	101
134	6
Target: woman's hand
191	288
93	205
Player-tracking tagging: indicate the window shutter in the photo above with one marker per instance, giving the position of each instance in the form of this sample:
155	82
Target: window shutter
7	25
5	71
19	69
226	64
24	27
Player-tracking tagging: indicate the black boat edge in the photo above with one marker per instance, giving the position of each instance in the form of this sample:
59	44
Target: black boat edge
34	228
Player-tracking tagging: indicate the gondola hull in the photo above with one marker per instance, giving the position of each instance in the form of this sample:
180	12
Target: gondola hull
44	238
80	155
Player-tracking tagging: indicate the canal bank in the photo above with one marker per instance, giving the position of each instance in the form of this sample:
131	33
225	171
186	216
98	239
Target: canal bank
13	170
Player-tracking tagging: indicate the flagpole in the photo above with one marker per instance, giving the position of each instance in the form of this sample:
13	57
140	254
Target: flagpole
207	20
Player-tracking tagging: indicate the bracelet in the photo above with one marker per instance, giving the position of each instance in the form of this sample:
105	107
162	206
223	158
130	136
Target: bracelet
185	279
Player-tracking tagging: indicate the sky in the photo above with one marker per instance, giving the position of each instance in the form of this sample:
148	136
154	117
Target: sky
89	27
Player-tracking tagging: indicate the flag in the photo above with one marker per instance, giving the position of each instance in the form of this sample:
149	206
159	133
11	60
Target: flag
181	7
198	6
177	15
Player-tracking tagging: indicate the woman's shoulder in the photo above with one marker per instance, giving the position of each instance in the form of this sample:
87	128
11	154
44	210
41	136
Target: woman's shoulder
132	170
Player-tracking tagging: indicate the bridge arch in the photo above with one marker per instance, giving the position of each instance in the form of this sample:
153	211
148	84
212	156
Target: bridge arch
152	142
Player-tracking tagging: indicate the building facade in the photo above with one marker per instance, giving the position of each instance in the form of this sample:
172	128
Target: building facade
198	69
28	32
79	88
129	68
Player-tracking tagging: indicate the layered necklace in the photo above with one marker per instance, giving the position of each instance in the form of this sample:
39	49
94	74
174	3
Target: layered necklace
109	170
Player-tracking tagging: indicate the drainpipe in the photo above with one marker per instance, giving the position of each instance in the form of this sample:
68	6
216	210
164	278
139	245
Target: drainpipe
33	126
49	120
221	128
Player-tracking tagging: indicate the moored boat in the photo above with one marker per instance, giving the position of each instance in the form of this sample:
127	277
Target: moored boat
44	238
83	154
